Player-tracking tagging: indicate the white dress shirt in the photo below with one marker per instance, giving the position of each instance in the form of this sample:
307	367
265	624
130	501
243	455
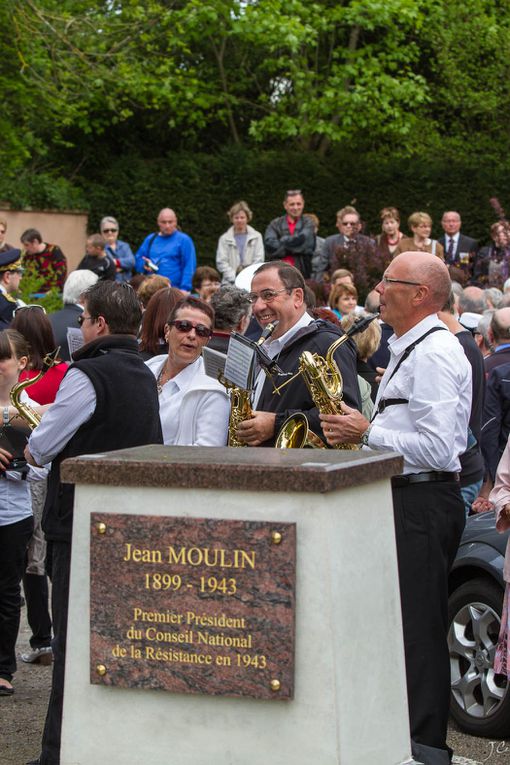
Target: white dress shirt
274	347
74	404
193	408
430	432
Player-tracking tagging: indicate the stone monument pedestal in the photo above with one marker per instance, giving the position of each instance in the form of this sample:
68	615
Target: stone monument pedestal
349	702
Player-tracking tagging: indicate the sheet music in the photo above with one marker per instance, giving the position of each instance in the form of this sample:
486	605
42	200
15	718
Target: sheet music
240	362
74	339
214	362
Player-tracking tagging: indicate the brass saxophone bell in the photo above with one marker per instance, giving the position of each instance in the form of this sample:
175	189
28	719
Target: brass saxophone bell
295	433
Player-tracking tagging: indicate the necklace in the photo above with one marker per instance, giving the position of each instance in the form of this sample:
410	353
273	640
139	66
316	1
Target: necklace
159	380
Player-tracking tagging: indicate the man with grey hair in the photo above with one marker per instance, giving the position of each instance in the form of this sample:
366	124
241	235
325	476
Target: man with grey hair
473	300
471	304
422	412
74	287
499	335
232	312
481	334
116	249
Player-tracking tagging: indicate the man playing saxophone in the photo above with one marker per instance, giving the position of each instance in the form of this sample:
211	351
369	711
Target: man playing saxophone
278	296
422	412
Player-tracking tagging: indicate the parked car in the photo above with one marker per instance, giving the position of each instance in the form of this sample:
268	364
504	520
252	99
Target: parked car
480	699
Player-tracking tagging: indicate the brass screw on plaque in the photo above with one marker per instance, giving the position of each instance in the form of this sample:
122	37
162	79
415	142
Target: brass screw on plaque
276	537
275	685
101	528
101	670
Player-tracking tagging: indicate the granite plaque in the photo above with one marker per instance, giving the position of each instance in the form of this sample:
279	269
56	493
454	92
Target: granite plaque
193	605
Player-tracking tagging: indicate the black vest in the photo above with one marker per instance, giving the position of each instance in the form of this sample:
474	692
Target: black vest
126	414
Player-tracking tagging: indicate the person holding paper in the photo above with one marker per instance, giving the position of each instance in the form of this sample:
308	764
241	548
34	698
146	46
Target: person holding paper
193	408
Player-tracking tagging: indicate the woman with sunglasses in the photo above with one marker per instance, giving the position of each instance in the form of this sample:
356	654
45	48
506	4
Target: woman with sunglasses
119	251
193	408
16	520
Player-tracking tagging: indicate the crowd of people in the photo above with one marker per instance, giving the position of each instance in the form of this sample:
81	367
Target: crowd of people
429	379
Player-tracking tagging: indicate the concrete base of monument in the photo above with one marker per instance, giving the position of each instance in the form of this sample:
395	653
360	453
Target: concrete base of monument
349	705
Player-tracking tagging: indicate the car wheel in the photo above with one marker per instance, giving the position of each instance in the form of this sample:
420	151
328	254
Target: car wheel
480	703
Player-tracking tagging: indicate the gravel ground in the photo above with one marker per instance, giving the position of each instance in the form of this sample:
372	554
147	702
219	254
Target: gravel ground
22	718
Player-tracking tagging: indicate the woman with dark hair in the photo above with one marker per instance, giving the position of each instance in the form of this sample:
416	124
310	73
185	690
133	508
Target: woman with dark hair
193	407
34	325
159	307
16	520
31	321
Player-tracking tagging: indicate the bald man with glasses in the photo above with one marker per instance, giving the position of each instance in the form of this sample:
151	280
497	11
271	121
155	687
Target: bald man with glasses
422	412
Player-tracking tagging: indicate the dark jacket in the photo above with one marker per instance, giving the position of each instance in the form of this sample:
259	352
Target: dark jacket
295	397
61	321
126	414
280	243
103	267
498	357
471	462
496	417
460	272
359	256
7	307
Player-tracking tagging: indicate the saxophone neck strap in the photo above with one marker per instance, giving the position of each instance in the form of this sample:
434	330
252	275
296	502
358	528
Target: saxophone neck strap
385	402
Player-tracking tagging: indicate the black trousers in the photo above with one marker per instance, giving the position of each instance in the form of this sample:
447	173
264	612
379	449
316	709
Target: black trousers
60	556
429	520
14	539
36	594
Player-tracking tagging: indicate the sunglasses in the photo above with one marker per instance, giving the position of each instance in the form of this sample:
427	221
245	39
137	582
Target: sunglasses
183	325
31	305
83	318
110	230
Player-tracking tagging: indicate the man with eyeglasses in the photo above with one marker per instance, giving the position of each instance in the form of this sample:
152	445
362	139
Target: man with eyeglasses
422	412
291	237
352	250
169	252
278	296
92	413
11	272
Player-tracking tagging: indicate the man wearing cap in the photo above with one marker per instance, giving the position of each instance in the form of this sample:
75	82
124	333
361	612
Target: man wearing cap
11	272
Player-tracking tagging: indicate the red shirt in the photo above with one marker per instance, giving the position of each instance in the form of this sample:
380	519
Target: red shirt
291	223
45	389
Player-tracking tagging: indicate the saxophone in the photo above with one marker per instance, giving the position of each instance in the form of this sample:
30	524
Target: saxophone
25	411
240	399
324	381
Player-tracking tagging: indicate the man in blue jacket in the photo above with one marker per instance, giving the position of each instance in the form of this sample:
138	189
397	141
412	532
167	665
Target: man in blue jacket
168	252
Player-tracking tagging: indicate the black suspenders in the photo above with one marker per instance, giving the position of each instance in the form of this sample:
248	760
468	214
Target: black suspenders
385	402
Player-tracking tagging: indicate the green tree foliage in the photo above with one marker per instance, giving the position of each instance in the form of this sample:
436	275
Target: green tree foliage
312	73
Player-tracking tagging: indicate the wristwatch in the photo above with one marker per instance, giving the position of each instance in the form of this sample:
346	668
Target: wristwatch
366	435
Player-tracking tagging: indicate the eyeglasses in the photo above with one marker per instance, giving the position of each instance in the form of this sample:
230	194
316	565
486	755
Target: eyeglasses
349	223
183	325
83	318
389	280
266	295
31	305
110	230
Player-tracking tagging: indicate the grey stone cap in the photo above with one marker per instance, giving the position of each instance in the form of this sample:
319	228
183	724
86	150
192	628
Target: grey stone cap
256	469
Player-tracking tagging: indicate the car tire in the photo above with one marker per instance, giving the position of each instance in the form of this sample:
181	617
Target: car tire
480	700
